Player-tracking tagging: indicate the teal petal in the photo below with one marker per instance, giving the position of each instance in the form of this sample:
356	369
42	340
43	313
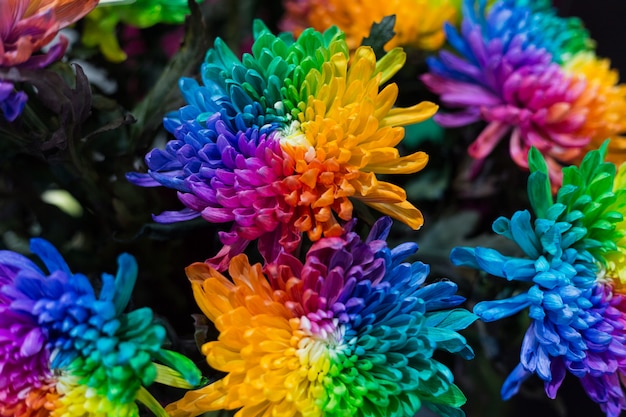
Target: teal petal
124	281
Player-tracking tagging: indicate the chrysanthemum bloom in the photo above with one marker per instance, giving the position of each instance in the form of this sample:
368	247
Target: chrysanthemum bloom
608	104
279	142
575	324
101	24
505	74
26	26
419	23
351	332
69	352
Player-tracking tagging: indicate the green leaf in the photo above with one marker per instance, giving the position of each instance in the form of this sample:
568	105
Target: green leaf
380	34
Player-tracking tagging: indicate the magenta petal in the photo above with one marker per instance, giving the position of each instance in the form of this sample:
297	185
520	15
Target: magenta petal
469	95
218	215
221	261
192	201
558	375
487	140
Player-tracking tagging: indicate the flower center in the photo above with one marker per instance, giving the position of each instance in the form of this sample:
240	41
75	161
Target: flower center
295	137
320	347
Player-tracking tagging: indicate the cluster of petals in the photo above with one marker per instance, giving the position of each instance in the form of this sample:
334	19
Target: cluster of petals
351	331
517	68
573	252
26	26
418	23
279	142
65	351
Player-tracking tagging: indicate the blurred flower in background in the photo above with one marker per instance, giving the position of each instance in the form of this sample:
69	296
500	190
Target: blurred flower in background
101	24
419	23
279	141
27	26
351	330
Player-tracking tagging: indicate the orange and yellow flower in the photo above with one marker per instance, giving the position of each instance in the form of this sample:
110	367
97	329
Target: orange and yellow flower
419	23
606	101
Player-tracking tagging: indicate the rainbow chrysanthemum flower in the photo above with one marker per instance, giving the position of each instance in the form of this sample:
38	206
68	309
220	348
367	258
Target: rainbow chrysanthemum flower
26	26
507	73
101	23
419	23
352	331
279	142
577	313
67	352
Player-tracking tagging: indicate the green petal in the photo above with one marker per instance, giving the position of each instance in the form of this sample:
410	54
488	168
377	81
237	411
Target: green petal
179	365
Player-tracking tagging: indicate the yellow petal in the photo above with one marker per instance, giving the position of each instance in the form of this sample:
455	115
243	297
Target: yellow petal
196	402
382	163
383	192
404	212
405	116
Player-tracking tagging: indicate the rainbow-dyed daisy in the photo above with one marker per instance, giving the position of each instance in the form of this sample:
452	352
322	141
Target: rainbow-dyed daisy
573	298
529	74
278	142
419	23
67	351
27	26
352	331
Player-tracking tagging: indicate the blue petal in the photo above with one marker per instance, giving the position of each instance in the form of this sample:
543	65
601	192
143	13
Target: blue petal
491	261
516	269
380	229
464	256
439	295
107	292
142	180
498	309
401	252
49	255
502	226
19	262
513	382
524	235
